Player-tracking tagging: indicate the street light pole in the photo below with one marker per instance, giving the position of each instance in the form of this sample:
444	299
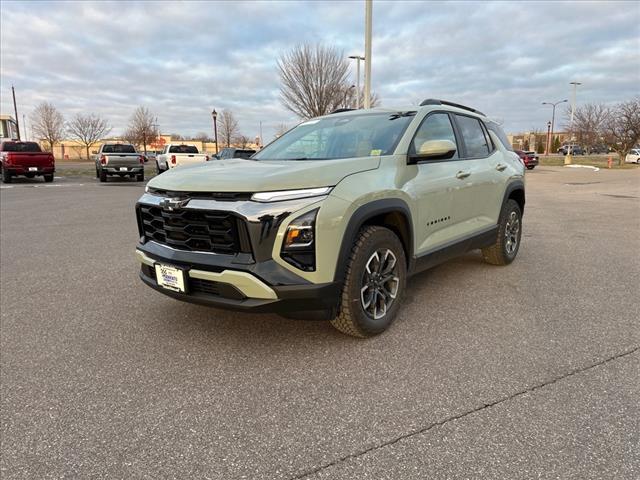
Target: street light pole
15	110
553	115
567	158
367	52
548	139
214	114
357	58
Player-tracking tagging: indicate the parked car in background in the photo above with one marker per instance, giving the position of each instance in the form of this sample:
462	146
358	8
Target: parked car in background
336	214
27	159
633	156
150	157
227	153
178	155
597	149
119	159
530	159
575	149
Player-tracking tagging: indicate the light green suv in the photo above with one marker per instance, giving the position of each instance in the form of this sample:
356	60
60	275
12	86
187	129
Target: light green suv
334	216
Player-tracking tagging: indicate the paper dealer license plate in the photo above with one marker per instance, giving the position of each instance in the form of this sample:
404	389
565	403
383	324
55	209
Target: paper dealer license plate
33	169
171	278
124	169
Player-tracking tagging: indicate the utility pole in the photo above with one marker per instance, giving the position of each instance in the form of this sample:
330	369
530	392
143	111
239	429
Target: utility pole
357	58
567	158
367	52
260	134
553	115
546	153
24	128
15	110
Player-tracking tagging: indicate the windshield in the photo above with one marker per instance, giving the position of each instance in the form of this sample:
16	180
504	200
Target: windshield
21	147
118	148
368	134
182	149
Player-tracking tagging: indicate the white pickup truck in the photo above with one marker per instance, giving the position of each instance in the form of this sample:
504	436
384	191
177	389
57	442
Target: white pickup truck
177	155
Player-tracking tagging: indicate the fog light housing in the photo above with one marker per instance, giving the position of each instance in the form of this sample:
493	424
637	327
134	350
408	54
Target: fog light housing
298	246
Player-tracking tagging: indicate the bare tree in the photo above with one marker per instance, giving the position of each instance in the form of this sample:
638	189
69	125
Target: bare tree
47	123
88	129
352	94
313	80
228	127
201	137
141	129
176	136
241	141
621	127
588	121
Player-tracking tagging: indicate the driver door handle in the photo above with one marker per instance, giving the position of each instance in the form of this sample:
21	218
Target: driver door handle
462	174
500	167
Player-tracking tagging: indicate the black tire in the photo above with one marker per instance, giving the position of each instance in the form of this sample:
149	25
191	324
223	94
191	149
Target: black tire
48	177
97	173
158	169
140	177
504	251
353	319
531	168
103	176
6	176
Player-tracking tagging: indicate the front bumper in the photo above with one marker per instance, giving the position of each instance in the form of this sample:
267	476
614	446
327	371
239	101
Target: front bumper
215	280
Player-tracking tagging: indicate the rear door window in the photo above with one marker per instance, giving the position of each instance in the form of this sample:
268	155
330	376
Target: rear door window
473	136
497	129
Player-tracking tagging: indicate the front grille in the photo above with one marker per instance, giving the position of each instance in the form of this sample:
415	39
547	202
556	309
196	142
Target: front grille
193	230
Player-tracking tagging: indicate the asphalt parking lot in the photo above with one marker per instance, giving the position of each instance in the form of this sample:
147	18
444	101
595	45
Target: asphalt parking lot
525	371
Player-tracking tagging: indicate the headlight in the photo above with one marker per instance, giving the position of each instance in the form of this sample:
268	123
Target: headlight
289	194
298	246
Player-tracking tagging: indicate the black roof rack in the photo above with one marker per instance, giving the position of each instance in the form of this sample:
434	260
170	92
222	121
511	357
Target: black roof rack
435	101
340	110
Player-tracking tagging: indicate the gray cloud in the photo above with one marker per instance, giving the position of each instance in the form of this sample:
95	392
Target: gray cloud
181	59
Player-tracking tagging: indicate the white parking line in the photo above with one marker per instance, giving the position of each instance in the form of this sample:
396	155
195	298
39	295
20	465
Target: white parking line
43	186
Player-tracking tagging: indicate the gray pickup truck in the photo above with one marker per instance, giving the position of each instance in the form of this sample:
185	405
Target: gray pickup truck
119	159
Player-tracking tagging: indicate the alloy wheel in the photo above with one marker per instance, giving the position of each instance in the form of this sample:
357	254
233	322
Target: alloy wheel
511	231
380	283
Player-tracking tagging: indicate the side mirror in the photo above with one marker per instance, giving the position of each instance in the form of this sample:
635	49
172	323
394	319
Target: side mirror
433	150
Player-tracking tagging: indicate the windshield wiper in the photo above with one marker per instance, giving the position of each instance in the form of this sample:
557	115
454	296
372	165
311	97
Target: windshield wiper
306	158
395	116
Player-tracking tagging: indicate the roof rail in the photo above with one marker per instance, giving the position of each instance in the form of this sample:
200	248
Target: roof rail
434	101
340	110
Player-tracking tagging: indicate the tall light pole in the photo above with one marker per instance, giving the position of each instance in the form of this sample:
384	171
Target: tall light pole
548	139
567	158
15	110
368	15
214	115
357	58
553	115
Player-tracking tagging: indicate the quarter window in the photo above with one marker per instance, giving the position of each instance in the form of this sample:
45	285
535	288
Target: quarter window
474	137
436	126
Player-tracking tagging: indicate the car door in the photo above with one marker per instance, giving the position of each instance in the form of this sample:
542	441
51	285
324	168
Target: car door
475	199
432	185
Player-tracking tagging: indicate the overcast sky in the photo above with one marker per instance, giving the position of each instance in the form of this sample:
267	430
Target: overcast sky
180	59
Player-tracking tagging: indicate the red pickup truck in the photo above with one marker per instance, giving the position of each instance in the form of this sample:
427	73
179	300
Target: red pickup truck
25	158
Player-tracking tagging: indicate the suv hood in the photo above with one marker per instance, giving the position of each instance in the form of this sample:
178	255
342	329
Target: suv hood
261	176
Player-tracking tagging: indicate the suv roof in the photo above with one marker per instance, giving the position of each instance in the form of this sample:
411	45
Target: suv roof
428	103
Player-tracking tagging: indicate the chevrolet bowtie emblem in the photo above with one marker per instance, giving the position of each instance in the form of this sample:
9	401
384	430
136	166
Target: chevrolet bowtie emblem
171	204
